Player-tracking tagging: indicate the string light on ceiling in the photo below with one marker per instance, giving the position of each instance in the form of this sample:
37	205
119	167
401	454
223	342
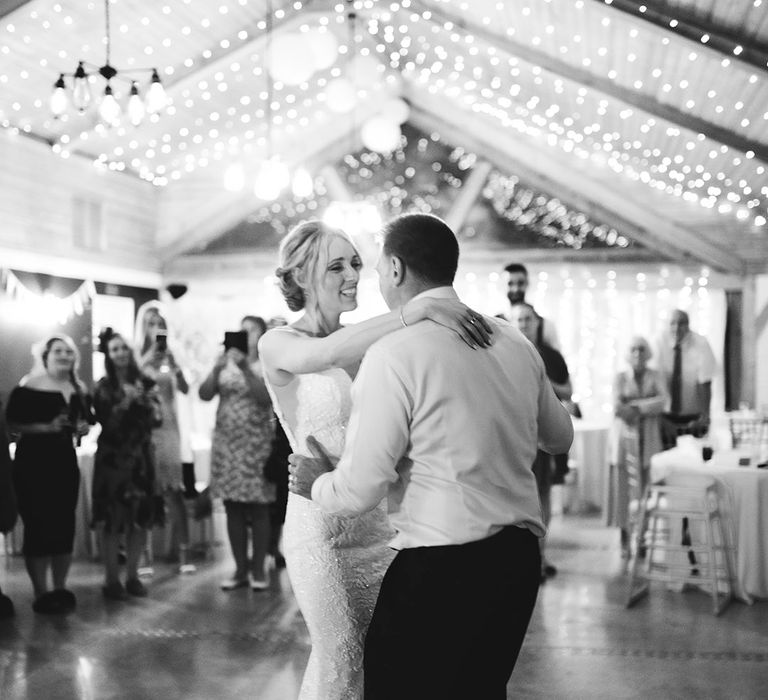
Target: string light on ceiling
468	69
479	77
108	106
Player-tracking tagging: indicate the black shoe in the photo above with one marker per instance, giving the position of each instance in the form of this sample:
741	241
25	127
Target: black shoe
114	591
136	588
66	598
6	607
49	604
279	560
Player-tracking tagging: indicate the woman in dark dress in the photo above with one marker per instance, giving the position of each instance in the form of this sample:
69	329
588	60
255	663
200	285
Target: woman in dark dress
48	413
123	493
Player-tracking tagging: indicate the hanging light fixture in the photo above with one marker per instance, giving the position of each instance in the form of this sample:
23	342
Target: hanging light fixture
109	108
273	175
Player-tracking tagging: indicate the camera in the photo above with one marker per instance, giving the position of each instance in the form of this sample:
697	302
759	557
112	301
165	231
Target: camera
161	341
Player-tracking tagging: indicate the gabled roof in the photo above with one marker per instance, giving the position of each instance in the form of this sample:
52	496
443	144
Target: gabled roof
651	122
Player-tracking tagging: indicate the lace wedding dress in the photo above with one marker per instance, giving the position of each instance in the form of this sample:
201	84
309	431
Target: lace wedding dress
335	564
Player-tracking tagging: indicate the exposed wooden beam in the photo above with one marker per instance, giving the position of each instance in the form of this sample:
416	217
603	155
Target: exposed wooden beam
684	23
8	6
640	100
224	209
468	194
562	177
336	187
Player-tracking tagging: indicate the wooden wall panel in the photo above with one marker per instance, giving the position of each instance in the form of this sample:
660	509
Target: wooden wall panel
43	196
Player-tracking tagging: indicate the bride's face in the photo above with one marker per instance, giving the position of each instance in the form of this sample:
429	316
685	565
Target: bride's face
339	273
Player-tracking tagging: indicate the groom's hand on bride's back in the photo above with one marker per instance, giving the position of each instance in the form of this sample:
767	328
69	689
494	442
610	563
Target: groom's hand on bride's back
304	470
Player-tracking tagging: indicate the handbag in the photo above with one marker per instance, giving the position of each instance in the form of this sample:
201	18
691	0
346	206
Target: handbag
203	505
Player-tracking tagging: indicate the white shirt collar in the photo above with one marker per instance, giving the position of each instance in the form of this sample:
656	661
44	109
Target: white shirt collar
446	292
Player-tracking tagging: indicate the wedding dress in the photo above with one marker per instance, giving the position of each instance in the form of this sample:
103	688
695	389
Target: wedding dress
335	564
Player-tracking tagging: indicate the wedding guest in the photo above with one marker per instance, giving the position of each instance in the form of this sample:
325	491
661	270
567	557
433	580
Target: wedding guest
517	286
49	413
157	362
639	397
123	494
242	440
688	365
528	322
8	509
276	466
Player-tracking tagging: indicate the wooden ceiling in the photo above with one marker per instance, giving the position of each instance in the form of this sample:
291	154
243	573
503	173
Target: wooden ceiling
653	114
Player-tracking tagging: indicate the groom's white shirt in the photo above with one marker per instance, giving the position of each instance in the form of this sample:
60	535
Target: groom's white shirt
448	433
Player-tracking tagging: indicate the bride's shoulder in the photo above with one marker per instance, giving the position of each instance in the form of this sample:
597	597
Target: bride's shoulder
277	337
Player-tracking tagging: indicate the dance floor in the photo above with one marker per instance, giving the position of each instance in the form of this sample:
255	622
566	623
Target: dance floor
191	640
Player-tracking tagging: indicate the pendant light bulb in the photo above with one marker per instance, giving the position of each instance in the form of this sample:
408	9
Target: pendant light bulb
109	108
156	97
59	97
302	184
136	109
81	91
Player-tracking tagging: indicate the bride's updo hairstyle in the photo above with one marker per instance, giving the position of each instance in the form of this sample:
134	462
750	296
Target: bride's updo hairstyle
300	253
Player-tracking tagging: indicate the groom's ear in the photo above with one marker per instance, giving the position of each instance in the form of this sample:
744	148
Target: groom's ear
398	270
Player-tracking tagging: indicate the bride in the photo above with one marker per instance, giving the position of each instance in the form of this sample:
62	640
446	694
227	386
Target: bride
335	564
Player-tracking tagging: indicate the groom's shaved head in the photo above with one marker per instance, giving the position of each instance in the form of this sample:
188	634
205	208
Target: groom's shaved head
426	245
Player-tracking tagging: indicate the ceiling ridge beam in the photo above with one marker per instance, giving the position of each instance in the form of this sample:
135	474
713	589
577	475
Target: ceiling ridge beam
235	207
511	154
691	27
642	101
8	6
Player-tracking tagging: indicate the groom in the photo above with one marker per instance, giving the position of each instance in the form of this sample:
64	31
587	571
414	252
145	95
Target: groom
449	435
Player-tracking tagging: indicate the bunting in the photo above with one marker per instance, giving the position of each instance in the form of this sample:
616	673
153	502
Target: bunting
47	304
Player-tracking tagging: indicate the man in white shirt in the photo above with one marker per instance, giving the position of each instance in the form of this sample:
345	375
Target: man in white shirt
688	364
517	286
449	435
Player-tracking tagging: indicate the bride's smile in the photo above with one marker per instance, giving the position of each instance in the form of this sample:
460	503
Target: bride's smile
337	291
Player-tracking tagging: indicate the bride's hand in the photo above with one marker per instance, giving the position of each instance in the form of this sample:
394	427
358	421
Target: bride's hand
469	325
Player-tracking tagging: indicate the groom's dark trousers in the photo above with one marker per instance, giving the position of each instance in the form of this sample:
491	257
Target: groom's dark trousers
449	621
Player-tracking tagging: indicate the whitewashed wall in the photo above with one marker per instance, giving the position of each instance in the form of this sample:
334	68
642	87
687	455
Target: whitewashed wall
65	217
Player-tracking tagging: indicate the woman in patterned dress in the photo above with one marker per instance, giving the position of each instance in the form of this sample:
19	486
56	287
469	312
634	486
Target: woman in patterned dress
242	440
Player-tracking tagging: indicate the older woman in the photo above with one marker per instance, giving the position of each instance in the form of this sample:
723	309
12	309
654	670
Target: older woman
639	398
48	413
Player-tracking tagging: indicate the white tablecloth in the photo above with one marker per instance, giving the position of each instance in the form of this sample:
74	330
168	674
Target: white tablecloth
590	453
743	495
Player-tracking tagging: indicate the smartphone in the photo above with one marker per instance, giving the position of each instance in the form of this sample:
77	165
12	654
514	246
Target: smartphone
236	339
161	341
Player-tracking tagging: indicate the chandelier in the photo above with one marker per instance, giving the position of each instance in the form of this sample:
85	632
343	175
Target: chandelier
108	107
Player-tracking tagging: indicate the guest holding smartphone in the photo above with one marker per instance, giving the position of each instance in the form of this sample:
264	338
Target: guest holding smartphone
158	362
242	440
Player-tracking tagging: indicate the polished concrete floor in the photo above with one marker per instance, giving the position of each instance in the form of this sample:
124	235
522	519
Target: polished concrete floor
189	639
